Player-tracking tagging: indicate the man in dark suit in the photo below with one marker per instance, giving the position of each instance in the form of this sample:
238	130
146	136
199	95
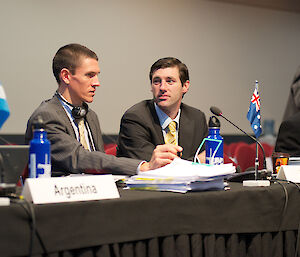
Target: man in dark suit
288	138
145	125
293	102
73	129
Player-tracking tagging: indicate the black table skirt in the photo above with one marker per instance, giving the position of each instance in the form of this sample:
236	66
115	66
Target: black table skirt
242	221
277	244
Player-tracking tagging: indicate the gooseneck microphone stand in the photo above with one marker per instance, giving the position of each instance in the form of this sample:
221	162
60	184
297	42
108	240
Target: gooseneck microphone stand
218	112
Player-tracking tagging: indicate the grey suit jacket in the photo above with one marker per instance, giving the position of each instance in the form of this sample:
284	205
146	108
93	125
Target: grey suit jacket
67	154
140	131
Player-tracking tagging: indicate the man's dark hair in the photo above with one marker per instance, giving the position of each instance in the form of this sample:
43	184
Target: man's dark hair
69	57
168	62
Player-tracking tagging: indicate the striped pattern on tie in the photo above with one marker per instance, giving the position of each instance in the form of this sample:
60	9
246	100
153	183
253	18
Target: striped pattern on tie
81	134
171	134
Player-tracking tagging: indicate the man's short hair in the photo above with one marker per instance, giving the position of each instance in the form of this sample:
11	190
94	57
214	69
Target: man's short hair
69	57
168	62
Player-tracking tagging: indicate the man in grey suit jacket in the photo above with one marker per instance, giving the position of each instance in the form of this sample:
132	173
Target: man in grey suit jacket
145	125
76	70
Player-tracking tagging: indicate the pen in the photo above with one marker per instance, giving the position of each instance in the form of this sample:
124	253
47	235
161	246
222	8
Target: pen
21	180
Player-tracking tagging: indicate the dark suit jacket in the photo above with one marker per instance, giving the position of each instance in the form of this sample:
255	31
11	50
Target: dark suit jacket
288	138
293	102
140	131
67	154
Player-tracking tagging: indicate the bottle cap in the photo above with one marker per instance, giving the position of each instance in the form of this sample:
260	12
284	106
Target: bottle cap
38	123
213	122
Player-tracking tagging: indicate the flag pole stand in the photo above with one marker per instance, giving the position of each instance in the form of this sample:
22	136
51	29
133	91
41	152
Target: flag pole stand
256	163
254	117
257	182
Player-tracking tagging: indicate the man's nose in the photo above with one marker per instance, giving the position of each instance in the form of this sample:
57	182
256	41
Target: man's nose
96	82
163	85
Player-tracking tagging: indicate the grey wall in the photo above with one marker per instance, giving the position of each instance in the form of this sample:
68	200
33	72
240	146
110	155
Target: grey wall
226	47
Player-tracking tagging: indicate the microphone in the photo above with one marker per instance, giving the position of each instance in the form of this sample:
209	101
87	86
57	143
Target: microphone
216	111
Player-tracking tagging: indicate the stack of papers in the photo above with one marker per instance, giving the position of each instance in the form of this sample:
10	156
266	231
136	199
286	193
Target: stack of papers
294	160
182	176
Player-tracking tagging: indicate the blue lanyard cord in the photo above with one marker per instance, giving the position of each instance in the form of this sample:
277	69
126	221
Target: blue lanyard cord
69	110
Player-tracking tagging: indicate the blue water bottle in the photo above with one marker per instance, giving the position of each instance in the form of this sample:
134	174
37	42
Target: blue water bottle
39	152
214	143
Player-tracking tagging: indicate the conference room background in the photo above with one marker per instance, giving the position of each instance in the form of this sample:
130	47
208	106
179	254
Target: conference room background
225	46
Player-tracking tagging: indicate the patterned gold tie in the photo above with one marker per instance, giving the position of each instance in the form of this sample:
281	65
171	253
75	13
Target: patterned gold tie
171	135
81	134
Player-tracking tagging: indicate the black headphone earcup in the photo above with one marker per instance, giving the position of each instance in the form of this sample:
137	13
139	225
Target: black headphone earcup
79	112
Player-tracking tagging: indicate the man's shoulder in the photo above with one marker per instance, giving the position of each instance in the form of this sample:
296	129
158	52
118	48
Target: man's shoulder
46	109
143	112
47	106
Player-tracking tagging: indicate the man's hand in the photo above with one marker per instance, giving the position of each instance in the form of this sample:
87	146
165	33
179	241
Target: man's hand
161	156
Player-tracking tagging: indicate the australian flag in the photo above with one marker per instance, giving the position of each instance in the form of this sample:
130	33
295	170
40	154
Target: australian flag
254	112
4	110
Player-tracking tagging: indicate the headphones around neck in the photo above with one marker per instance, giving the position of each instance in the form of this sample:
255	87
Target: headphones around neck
78	112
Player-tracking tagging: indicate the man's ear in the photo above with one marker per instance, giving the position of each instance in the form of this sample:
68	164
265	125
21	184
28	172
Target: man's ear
186	86
65	76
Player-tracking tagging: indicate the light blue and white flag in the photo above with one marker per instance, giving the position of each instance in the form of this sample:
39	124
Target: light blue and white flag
4	110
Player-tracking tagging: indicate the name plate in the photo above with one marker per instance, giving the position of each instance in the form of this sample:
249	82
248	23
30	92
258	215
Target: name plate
70	189
289	172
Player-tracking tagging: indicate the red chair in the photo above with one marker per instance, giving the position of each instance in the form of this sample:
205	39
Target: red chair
111	149
226	148
245	157
239	144
233	147
228	160
268	149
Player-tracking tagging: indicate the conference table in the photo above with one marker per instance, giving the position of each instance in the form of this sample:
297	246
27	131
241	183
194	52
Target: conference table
240	221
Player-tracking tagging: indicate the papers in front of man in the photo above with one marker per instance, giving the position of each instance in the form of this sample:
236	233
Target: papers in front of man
182	176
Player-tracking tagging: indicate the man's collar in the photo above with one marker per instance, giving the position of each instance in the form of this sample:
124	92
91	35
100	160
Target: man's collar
164	119
64	101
